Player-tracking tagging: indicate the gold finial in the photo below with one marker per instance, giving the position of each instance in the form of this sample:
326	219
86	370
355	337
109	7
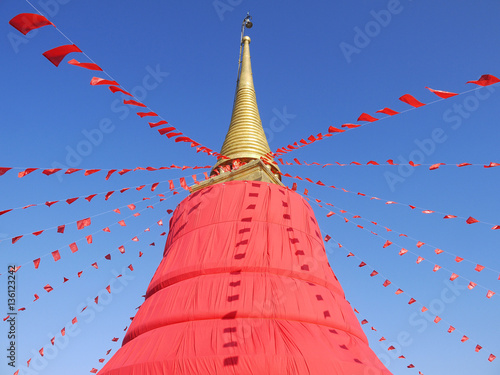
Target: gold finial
245	140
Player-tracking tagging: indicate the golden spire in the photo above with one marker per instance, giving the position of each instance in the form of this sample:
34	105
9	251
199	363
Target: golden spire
246	140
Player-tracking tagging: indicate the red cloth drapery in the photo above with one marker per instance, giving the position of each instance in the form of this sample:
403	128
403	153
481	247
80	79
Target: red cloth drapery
244	288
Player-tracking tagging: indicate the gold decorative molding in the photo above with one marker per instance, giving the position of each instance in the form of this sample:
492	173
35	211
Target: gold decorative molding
255	170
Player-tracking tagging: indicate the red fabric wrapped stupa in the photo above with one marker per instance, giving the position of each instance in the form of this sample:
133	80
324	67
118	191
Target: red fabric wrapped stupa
244	288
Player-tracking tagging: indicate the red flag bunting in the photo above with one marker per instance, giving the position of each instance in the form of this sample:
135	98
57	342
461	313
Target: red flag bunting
26	172
366	117
471	220
333	129
51	171
145	114
491	165
89	66
133	102
407	98
101	81
479	268
56	255
4	170
115	89
73	247
442	94
89	198
154	124
15	239
486	80
182	180
25	22
56	55
436	166
350	126
109	174
388	111
80	224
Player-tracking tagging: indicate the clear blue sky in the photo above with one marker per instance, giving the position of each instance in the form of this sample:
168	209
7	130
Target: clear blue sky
316	64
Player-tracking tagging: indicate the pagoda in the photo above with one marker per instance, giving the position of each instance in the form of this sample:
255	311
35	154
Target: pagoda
244	286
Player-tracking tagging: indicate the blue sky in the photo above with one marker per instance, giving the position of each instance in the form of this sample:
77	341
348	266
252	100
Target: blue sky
315	65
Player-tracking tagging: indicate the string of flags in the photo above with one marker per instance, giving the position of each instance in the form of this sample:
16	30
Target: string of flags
94	265
74	321
412	301
87	172
364	323
419	244
26	22
388	162
85	222
468	220
114	340
107	195
89	239
484	80
477	267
